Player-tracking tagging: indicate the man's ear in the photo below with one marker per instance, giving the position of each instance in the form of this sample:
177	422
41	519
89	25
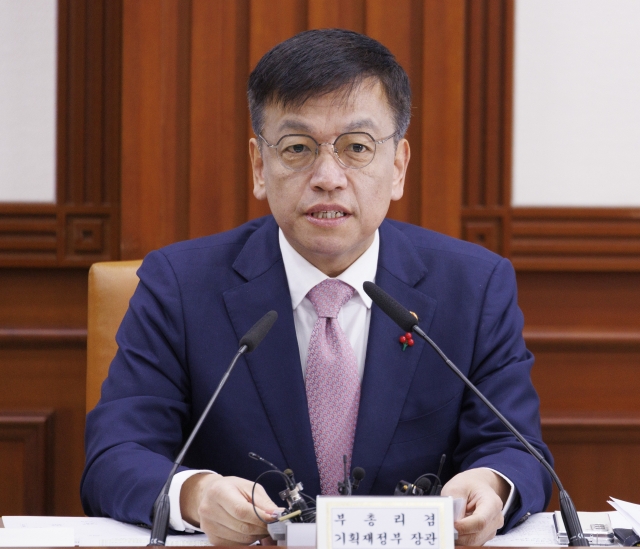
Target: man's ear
400	163
257	165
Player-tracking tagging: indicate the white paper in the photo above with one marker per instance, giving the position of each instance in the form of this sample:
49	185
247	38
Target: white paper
630	511
536	531
36	537
618	520
100	532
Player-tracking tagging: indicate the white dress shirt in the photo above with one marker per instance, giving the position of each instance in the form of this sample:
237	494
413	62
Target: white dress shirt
354	319
354	316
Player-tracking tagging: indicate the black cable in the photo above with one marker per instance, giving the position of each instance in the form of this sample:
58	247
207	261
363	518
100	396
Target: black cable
312	500
253	490
425	476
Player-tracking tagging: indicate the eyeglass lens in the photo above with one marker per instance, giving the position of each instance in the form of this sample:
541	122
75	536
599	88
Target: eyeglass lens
355	150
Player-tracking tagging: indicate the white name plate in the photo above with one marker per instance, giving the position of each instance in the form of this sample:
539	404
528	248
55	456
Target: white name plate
384	522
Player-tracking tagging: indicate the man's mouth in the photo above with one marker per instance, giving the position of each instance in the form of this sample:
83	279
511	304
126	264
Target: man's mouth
328	214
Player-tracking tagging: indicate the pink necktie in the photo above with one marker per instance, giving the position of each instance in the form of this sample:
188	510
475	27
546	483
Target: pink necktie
333	387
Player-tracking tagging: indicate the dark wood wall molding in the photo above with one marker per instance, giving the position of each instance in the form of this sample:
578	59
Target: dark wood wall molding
50	235
42	337
546	340
82	227
576	239
573	429
28	491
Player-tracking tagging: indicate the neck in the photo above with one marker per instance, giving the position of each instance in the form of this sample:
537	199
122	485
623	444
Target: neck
330	265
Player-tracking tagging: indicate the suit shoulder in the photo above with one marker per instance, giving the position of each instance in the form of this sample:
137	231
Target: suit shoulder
440	244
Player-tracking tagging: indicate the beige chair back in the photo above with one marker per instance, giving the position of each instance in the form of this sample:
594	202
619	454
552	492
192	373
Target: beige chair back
111	285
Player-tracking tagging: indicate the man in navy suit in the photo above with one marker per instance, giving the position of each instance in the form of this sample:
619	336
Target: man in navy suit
330	109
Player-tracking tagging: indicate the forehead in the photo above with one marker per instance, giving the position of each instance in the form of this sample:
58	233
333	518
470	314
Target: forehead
361	108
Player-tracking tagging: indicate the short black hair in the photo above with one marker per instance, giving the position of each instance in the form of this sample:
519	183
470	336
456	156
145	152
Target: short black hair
321	61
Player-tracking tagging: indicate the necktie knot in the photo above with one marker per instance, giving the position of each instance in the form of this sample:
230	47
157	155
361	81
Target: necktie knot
329	296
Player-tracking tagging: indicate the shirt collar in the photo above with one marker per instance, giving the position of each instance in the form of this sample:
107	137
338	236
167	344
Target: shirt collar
302	275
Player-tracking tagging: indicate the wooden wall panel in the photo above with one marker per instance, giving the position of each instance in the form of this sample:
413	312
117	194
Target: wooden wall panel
583	301
337	13
399	26
602	380
39	298
26	463
584	330
443	54
51	376
42	366
596	457
155	124
219	159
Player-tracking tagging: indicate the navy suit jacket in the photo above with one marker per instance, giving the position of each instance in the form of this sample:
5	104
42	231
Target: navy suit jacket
196	299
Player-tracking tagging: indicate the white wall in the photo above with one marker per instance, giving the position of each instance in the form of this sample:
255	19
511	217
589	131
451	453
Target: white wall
28	35
577	103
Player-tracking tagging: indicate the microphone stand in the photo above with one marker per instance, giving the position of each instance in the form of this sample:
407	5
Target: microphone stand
567	508
344	487
162	507
401	316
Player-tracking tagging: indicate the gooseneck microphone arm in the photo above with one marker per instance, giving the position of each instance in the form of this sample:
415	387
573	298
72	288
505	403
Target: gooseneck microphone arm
401	316
162	508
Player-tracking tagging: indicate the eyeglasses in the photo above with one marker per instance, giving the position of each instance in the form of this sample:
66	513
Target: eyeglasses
352	150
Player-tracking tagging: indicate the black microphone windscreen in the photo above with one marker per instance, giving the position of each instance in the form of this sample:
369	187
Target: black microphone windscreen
257	332
390	306
358	473
424	484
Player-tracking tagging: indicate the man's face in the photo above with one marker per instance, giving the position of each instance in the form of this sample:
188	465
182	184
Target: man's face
358	198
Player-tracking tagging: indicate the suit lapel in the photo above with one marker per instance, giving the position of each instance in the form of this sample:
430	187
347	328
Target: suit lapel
389	370
275	364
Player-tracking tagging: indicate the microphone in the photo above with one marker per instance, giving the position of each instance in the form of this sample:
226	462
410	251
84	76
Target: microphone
422	486
161	509
358	474
409	323
347	486
256	333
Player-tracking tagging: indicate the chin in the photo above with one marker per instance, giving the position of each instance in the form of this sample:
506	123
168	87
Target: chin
334	250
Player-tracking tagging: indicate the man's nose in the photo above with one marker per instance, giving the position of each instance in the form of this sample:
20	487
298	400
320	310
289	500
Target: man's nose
327	172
